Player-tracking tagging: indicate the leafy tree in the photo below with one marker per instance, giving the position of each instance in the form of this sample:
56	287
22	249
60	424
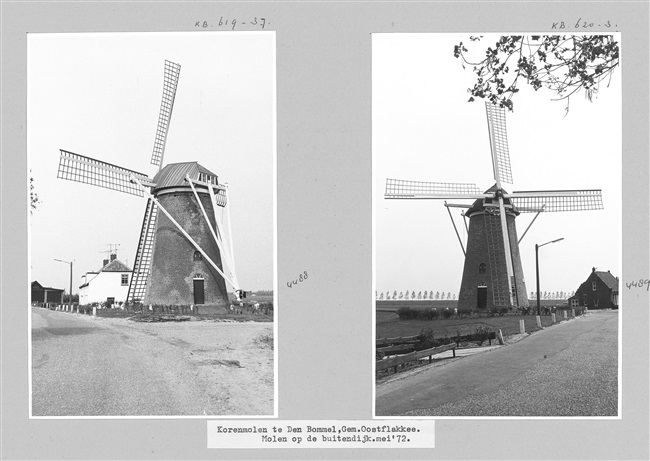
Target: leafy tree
66	297
420	295
406	295
395	294
413	295
454	296
33	196
401	295
437	295
564	64
381	296
449	295
431	294
425	295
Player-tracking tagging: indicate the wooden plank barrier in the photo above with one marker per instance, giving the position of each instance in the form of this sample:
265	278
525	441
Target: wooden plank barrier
400	340
401	359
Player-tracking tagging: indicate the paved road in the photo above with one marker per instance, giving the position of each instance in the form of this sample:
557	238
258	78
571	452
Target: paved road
82	369
566	370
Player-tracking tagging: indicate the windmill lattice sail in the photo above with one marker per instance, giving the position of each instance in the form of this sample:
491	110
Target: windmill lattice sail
399	188
549	201
172	71
75	167
142	264
499	142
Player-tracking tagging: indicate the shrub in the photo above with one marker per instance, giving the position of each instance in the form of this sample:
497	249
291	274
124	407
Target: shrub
446	313
503	311
433	314
404	312
464	312
427	340
480	335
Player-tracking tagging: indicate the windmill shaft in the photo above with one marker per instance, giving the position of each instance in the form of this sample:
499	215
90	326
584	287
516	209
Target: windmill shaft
529	226
456	229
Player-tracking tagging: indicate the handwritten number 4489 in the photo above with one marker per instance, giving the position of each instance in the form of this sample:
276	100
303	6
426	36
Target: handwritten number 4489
300	278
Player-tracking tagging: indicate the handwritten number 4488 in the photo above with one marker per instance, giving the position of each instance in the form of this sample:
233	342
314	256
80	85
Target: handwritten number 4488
300	278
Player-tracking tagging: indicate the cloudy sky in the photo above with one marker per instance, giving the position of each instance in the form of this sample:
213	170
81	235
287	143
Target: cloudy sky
424	129
99	95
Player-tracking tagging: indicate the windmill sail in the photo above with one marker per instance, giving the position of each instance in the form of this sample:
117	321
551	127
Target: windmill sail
75	167
399	188
567	200
172	71
496	117
142	264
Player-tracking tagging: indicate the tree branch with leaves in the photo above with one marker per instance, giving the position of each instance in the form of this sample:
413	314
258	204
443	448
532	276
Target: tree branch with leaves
564	64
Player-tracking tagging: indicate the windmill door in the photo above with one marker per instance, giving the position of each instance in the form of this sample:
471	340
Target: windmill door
481	297
199	293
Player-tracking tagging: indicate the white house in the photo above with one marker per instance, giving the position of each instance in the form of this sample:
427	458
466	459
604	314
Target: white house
110	284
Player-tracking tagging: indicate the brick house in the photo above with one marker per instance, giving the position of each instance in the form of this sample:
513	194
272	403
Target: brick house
599	291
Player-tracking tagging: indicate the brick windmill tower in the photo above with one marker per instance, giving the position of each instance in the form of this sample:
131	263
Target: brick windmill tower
492	274
183	247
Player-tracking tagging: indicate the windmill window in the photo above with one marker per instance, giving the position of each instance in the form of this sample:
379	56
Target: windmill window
198	256
482	268
125	279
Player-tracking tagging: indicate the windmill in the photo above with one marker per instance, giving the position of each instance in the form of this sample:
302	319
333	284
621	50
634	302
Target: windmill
183	244
492	273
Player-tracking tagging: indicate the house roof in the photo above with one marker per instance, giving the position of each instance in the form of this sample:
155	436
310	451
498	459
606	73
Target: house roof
115	266
173	174
46	288
608	279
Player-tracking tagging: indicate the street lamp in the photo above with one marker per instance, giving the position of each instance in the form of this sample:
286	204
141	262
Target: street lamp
537	269
67	262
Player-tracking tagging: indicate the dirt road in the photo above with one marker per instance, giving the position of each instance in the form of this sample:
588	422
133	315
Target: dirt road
90	366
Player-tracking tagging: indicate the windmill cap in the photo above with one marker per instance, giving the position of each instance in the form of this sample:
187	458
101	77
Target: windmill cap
478	204
173	174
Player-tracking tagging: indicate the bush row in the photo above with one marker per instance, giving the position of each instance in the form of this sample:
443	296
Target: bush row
407	312
427	338
434	313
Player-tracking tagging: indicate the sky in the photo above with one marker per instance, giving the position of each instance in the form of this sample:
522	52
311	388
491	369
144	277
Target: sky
425	129
99	95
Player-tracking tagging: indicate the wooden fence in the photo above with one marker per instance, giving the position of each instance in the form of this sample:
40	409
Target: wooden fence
402	359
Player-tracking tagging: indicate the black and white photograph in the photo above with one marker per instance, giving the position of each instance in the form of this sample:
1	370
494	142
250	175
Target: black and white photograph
151	161
497	164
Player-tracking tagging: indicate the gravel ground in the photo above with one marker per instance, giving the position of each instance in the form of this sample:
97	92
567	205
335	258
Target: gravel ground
84	365
582	380
231	363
